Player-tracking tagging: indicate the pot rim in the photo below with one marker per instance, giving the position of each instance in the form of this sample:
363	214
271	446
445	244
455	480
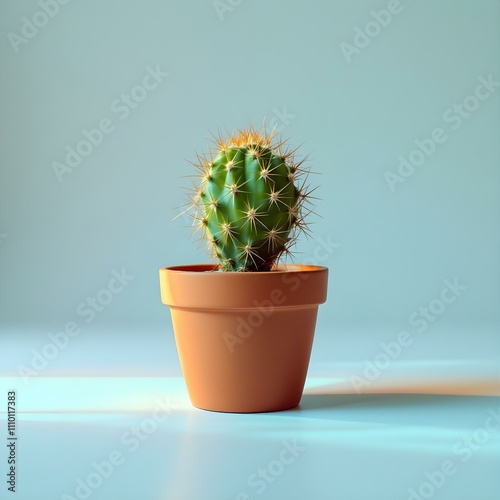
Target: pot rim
188	286
280	268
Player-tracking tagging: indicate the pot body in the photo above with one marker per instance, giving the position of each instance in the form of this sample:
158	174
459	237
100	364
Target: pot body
244	339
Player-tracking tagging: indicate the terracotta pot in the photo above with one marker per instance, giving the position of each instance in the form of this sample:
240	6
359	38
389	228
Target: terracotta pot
244	339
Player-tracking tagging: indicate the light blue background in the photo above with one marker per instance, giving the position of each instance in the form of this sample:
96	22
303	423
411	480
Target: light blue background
60	242
115	209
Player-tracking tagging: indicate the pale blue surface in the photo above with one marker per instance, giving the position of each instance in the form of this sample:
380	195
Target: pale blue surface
357	447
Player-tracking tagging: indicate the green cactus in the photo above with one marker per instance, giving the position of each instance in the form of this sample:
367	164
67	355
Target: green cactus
249	203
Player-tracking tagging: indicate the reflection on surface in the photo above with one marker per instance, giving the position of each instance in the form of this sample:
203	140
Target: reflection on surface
355	446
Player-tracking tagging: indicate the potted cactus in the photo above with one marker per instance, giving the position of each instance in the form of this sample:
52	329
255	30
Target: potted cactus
244	325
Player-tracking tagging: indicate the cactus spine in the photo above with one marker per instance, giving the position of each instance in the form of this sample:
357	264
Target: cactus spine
249	202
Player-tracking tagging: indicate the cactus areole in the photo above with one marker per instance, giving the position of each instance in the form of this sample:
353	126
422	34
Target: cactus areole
249	200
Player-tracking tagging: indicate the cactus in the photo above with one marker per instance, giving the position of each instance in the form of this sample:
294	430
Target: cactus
249	202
